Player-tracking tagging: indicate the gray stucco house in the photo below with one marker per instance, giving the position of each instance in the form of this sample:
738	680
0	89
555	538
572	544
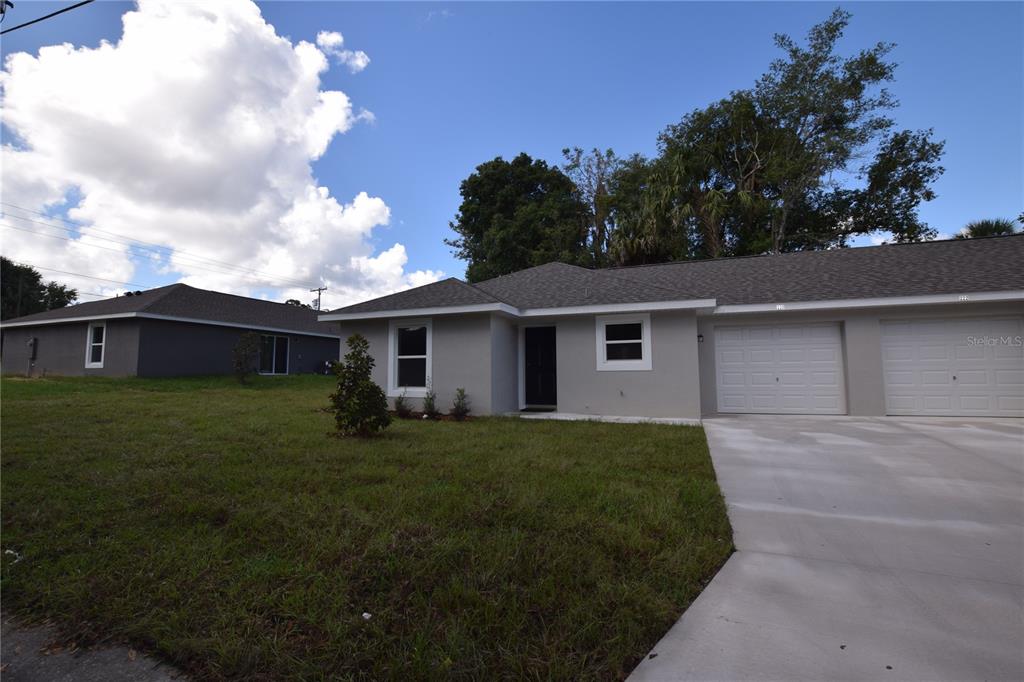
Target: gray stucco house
914	329
175	330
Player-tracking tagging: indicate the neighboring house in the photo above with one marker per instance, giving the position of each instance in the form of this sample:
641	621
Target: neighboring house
175	330
917	329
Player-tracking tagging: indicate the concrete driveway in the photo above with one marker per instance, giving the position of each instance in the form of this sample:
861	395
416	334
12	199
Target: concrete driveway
868	548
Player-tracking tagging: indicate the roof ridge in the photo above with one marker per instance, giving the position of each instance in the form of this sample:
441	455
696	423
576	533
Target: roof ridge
176	286
871	247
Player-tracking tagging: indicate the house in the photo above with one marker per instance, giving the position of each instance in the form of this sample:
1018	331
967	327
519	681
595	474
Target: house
174	330
911	329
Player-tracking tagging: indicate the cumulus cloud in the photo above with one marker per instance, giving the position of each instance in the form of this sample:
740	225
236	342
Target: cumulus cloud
195	131
333	43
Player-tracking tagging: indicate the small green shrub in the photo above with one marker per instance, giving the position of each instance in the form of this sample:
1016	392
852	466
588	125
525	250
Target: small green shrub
430	410
360	406
245	355
402	408
460	408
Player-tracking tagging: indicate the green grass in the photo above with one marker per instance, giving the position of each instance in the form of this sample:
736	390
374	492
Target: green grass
225	529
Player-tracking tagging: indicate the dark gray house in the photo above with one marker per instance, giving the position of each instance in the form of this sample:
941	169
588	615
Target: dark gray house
907	329
175	330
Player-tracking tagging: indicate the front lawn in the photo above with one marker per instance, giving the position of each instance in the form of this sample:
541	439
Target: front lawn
222	528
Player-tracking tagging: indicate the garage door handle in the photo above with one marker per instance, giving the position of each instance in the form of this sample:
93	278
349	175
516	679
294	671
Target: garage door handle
954	377
776	378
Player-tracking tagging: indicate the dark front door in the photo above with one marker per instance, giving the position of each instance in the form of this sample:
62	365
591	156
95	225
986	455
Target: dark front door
540	379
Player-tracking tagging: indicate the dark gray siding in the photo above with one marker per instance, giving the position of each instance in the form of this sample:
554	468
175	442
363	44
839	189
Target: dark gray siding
181	349
60	349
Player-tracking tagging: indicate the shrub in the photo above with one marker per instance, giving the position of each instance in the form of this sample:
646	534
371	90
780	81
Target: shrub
430	410
246	355
460	408
402	408
360	406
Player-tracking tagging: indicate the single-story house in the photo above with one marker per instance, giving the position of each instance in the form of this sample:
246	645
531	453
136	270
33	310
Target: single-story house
909	329
175	330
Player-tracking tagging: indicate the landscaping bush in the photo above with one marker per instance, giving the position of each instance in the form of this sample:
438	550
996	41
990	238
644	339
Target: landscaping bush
460	408
402	408
360	406
430	410
246	355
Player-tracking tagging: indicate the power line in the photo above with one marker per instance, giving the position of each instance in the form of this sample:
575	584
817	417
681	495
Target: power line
51	14
78	274
170	250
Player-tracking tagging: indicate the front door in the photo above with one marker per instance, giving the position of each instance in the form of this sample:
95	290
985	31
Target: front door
539	377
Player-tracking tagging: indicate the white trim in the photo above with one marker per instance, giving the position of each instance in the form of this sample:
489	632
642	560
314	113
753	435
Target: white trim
89	344
980	297
605	365
421	312
169	318
85	318
619	308
394	390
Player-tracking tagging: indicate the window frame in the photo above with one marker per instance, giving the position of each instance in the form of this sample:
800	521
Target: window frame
273	363
394	390
641	365
89	364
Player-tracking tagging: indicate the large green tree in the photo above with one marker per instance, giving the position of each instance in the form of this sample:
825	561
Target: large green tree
994	227
774	168
23	292
516	214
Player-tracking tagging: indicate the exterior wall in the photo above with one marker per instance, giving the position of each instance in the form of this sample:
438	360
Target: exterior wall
504	365
670	389
862	345
461	357
182	349
61	349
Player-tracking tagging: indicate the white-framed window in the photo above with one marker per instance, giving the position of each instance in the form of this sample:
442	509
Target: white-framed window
95	343
409	357
623	342
273	354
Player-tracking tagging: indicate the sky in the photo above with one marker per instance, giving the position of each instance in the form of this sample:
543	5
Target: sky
262	149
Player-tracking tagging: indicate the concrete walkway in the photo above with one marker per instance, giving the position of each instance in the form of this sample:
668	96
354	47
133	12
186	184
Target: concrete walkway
868	548
32	654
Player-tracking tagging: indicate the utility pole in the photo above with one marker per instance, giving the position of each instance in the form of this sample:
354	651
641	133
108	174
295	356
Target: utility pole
318	290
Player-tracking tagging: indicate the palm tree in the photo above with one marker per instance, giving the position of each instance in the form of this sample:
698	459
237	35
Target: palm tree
996	227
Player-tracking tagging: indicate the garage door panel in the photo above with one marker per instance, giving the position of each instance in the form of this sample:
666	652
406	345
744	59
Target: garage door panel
793	369
961	366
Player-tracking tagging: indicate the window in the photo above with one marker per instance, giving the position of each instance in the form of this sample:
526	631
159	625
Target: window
273	354
623	342
95	342
409	345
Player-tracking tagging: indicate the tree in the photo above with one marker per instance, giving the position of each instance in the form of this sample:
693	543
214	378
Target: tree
594	175
23	292
772	168
996	227
245	355
360	406
298	304
517	214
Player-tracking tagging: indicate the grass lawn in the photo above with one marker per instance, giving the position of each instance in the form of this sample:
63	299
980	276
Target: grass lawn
224	529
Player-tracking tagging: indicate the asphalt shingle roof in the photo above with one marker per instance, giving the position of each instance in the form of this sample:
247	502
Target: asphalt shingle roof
941	267
181	300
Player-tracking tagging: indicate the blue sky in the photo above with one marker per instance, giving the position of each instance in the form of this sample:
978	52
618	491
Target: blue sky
453	85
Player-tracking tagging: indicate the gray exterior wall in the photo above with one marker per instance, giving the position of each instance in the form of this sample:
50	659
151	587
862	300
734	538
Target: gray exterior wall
61	348
862	345
169	349
504	365
671	388
461	358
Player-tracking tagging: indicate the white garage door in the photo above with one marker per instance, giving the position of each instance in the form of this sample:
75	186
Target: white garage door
967	367
784	369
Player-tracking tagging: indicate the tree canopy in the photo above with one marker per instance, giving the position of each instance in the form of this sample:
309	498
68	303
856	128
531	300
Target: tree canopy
805	158
995	227
23	292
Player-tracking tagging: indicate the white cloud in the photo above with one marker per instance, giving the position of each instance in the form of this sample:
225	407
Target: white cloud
195	131
333	43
